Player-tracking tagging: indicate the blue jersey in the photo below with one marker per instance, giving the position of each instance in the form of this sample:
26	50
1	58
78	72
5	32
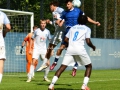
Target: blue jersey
71	16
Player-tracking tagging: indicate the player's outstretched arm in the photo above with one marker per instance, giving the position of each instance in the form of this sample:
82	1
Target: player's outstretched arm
94	22
89	43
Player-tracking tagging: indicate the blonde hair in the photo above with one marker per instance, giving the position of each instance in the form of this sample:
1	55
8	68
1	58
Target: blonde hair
42	20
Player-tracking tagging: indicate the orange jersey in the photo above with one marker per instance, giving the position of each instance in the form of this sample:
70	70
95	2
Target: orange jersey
27	39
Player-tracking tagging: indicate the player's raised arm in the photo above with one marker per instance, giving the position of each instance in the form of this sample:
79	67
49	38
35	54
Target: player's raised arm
94	22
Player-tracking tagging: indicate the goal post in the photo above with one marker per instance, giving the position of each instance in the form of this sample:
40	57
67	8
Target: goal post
22	23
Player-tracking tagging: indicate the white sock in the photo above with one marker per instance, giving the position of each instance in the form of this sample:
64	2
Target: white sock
85	81
33	74
44	62
31	71
75	67
0	77
57	56
46	72
55	78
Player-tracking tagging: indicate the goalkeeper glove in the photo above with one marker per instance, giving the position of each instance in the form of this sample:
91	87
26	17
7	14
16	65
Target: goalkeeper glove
21	50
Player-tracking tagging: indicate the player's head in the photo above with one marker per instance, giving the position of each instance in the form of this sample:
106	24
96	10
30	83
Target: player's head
35	27
42	24
69	4
53	5
82	19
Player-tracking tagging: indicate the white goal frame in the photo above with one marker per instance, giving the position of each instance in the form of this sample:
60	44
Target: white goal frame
22	23
15	12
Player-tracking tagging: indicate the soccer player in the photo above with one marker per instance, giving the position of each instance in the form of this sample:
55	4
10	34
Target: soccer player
57	38
70	17
40	36
76	37
3	21
26	42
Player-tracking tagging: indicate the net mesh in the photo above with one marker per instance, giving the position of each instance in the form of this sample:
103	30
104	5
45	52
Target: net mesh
21	26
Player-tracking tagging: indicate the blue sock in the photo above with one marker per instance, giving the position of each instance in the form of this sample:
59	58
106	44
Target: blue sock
76	64
56	59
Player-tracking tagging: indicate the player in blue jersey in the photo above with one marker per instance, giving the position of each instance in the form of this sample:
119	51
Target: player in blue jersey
3	21
70	17
76	52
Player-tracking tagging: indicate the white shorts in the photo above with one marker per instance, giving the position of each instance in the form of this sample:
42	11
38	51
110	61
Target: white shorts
2	53
58	35
37	54
69	60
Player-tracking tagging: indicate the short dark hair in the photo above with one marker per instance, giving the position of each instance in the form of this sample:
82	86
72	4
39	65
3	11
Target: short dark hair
35	26
54	3
66	1
82	19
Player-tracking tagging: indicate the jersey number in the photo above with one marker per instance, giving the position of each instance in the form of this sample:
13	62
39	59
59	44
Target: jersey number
75	35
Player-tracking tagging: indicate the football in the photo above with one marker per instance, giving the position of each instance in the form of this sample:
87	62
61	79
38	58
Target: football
76	3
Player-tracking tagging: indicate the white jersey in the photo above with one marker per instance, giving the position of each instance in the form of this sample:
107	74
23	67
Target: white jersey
40	38
3	20
56	15
77	35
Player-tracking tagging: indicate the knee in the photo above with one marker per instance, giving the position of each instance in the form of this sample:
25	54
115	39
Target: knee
89	66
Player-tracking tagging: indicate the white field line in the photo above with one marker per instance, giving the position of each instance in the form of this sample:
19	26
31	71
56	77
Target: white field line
97	81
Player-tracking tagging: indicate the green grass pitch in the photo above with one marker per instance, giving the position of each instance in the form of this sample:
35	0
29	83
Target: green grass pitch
100	80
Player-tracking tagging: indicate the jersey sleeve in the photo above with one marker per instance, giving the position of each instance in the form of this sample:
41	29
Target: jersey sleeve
6	20
26	38
88	33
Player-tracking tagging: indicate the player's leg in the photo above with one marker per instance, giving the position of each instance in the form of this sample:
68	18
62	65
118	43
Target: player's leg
1	69
35	57
46	68
59	51
85	60
86	77
44	64
29	61
2	59
66	61
49	50
74	70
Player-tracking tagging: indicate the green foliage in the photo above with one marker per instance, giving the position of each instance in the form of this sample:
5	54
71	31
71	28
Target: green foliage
41	10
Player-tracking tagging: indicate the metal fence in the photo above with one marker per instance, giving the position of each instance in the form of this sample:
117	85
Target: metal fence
107	12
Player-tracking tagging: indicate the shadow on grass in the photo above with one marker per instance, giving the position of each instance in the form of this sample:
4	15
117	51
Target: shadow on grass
65	89
64	85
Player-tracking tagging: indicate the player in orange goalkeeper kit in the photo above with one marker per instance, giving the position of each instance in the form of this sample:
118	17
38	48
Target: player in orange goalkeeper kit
28	55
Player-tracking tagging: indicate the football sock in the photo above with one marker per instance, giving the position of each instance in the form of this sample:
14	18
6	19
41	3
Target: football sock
33	74
56	58
0	77
55	78
31	71
46	72
76	65
85	81
44	62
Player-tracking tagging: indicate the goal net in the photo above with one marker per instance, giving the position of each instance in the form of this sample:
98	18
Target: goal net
21	23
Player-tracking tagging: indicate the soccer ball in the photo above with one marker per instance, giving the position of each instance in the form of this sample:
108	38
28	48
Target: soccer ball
76	3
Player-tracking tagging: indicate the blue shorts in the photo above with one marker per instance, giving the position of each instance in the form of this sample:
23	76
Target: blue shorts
63	38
